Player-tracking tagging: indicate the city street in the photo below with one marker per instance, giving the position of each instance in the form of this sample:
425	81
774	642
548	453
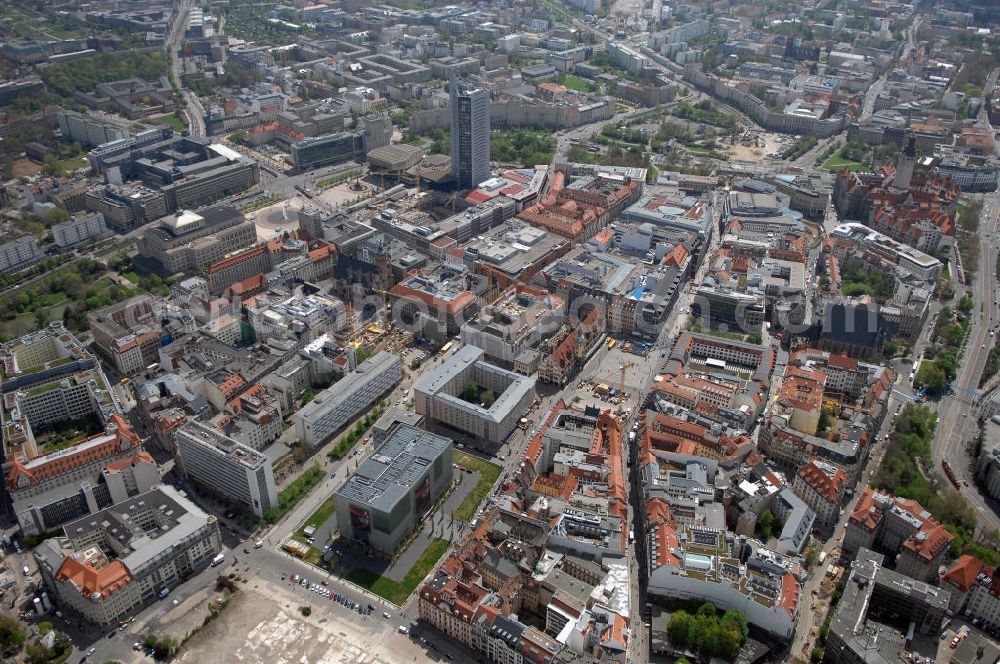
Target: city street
958	411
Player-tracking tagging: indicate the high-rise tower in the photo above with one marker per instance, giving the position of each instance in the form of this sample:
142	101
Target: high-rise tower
470	133
904	167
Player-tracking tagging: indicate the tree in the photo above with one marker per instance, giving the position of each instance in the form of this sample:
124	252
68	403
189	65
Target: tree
932	376
38	654
471	391
11	635
489	396
681	628
41	318
62	642
765	524
825	419
52	166
55	216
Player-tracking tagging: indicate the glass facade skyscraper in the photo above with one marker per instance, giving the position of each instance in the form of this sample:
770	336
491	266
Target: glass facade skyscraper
470	134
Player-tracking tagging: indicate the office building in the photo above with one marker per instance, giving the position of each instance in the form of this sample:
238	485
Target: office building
80	228
513	324
191	241
728	309
435	302
470	134
126	207
729	570
898	527
501	397
107	565
91	130
974	589
988	467
822	486
188	172
326	150
383	501
231	469
127	334
351	396
51	489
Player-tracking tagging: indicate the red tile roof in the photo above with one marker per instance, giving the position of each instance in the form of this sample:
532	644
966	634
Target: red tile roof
830	488
964	572
94	581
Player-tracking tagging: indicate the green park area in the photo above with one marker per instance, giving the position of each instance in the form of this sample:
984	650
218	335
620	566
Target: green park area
907	471
836	163
578	84
488	474
858	278
173	120
397	591
293	493
317	518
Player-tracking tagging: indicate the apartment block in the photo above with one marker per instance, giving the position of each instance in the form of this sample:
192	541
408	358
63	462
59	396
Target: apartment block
50	377
18	253
80	228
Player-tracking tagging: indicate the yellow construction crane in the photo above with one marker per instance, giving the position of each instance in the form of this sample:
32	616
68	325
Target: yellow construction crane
385	307
621	384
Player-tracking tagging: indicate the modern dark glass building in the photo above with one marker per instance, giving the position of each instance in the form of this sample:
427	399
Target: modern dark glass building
470	134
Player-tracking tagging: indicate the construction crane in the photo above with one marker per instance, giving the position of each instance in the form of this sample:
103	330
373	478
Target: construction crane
621	384
385	307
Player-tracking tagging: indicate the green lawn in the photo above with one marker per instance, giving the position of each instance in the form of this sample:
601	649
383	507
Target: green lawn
577	83
397	591
317	518
294	492
175	122
836	163
488	474
131	276
74	163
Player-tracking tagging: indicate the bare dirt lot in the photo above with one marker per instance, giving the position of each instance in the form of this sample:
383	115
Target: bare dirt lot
264	624
24	167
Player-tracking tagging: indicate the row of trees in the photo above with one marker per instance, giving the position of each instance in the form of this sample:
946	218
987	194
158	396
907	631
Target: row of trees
706	631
